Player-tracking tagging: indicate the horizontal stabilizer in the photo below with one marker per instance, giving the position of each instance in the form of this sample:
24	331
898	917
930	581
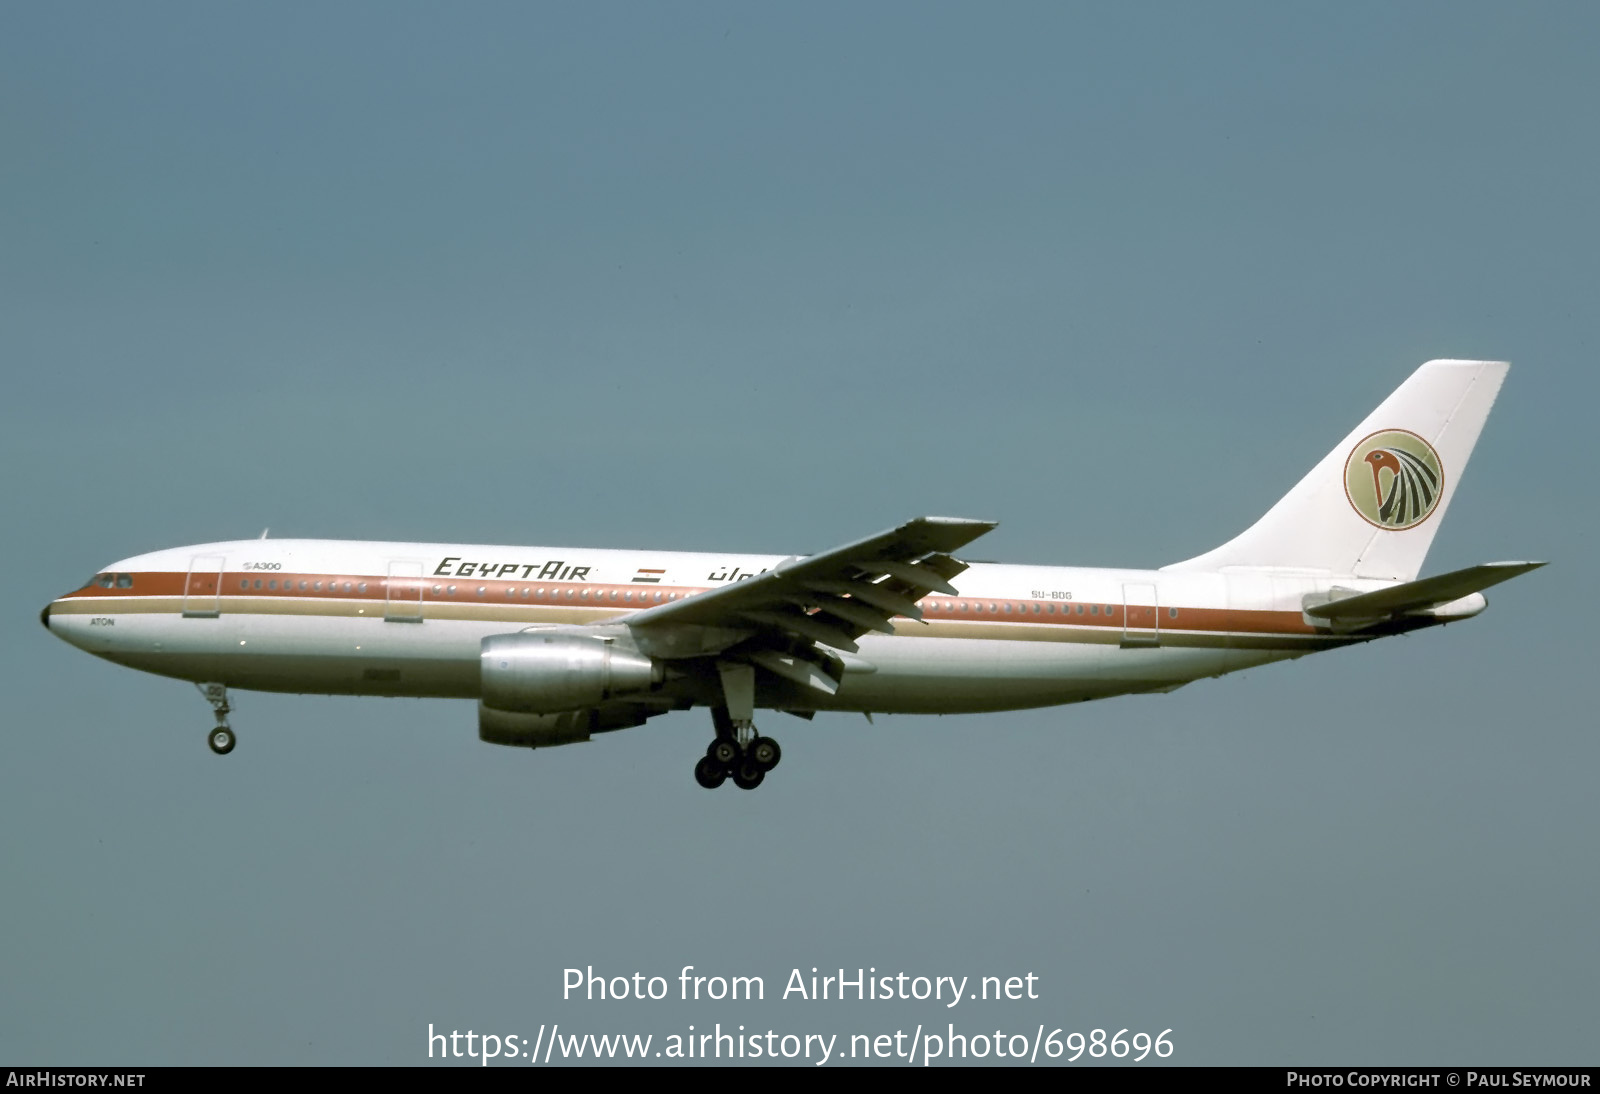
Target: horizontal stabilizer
1419	596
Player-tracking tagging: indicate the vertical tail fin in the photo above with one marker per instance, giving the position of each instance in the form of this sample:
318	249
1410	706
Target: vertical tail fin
1371	507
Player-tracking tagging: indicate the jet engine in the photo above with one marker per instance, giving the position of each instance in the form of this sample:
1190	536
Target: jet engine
499	727
537	672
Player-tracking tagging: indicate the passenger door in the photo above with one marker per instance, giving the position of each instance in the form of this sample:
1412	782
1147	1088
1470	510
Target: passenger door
1141	622
202	588
403	597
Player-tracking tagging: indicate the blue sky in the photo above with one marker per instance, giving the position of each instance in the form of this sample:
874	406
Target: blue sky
754	278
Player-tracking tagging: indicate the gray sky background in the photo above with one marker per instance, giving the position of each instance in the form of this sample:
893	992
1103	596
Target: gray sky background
742	277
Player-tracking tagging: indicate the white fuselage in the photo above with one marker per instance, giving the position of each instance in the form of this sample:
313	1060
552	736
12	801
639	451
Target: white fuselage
368	618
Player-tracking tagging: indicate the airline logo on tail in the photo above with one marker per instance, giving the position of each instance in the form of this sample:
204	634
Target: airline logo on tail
1394	479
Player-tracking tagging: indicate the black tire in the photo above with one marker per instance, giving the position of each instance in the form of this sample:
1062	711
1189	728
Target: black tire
724	751
765	752
748	775
709	774
222	740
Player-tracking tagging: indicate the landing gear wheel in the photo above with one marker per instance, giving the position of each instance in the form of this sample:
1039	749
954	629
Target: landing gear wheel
748	775
724	751
709	774
221	739
765	752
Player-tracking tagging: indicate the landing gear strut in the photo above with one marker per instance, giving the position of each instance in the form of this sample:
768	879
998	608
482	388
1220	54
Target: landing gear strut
221	738
737	751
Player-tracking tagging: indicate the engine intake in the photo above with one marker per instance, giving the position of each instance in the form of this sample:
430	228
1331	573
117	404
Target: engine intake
540	673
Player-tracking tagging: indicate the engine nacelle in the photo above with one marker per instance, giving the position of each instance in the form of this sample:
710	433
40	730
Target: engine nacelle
499	727
546	673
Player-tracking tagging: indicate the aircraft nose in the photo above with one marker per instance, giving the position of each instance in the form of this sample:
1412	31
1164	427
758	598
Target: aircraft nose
44	616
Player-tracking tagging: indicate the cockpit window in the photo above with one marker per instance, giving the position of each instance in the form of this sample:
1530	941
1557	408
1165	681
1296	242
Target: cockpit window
103	580
124	581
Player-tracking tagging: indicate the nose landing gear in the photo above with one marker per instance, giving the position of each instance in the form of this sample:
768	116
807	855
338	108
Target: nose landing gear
221	738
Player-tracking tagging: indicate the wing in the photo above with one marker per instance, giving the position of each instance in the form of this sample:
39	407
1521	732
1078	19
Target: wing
780	618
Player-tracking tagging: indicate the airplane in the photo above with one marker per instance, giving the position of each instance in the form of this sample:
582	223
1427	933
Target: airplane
558	644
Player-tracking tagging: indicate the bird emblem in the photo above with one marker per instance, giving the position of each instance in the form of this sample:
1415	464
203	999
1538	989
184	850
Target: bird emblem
1394	479
1412	485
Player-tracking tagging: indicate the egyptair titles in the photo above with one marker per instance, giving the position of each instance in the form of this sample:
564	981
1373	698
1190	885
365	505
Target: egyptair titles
557	570
561	570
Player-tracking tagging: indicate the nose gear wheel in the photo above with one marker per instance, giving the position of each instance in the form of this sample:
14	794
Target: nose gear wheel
221	738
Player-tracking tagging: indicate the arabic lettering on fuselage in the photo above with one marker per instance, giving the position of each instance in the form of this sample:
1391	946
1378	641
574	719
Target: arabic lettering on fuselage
733	573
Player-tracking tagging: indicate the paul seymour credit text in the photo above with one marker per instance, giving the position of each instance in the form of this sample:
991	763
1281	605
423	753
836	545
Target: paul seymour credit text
925	1043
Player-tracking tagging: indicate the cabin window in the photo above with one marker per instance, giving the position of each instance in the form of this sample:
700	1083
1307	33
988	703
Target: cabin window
258	583
1036	608
1172	613
481	590
1094	609
361	588
272	584
451	590
1008	609
244	583
1052	608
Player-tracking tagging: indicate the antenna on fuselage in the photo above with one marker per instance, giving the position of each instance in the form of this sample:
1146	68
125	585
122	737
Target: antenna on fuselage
264	532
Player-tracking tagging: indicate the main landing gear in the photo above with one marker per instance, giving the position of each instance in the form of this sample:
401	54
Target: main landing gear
221	738
737	752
